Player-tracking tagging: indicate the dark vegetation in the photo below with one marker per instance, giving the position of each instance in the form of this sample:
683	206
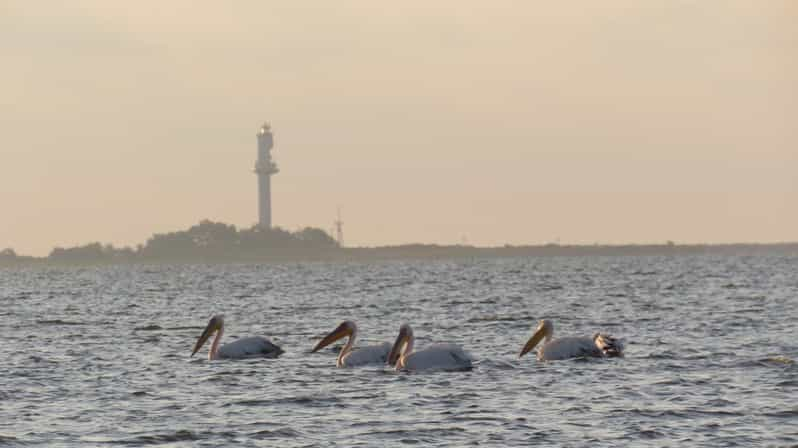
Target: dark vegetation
213	242
205	242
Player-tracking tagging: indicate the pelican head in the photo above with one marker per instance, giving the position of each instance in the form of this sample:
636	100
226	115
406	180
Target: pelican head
347	328
544	330
404	339
215	324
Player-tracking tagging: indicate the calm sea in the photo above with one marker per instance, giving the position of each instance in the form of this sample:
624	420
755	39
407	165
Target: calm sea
100	356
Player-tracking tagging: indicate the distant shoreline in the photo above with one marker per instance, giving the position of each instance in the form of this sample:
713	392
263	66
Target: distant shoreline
216	242
428	252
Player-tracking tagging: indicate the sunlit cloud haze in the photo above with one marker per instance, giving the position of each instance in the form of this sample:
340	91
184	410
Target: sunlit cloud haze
487	122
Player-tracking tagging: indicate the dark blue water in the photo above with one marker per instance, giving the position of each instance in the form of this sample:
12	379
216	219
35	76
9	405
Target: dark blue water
100	356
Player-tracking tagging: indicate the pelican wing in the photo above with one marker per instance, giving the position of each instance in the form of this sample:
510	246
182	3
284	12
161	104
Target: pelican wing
439	357
251	347
372	354
570	347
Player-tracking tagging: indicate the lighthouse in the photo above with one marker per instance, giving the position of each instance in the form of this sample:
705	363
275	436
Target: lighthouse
265	168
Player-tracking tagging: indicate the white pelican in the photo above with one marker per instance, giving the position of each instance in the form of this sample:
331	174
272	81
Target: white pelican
436	356
251	347
599	346
372	354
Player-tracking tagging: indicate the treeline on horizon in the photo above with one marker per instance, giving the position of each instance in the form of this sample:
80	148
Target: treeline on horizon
211	241
207	240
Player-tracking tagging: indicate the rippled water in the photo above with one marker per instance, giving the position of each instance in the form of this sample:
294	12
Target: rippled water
100	356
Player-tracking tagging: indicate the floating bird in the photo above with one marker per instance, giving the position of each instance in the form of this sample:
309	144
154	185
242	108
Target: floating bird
251	347
347	357
599	346
436	356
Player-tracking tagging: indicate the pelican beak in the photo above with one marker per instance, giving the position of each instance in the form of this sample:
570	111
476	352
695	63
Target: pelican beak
342	331
210	329
533	341
396	350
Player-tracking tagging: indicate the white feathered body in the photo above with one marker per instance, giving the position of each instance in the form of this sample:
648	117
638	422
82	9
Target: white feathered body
370	354
249	347
437	357
598	346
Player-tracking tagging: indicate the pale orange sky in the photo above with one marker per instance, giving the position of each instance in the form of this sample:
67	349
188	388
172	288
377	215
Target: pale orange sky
492	122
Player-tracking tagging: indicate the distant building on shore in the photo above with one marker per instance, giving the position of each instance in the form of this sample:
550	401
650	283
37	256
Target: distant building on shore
265	168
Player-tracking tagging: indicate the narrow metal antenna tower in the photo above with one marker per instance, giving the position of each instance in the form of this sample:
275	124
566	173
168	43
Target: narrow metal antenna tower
339	229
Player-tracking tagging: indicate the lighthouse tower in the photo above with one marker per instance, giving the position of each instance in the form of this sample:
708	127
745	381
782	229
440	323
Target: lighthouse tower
265	168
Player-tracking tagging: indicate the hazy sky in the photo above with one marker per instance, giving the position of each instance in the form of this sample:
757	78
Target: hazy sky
492	122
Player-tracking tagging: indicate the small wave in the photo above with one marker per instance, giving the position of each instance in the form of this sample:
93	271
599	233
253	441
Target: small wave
719	402
650	434
306	401
312	401
490	364
40	360
782	360
249	403
663	354
22	295
366	396
716	412
8	441
149	328
58	322
788	413
770	361
150	340
275	434
418	435
472	419
756	298
157	439
495	318
191	327
651	413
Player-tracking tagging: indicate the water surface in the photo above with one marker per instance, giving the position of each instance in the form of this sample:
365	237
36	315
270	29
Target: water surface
100	356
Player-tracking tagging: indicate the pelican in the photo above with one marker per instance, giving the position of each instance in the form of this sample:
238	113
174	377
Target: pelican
251	347
599	346
347	357
436	356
